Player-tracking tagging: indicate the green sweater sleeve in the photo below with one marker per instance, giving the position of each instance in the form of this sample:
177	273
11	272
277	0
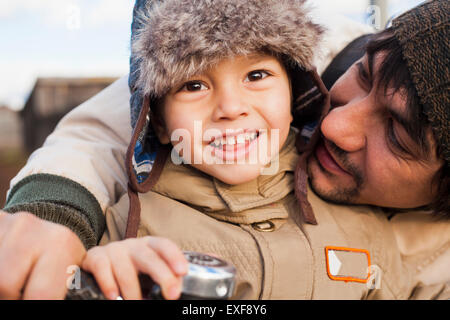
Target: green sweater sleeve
60	200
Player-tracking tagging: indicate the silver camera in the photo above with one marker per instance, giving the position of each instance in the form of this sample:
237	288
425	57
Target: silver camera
208	278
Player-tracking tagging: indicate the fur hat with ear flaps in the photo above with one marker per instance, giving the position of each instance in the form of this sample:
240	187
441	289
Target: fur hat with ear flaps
181	38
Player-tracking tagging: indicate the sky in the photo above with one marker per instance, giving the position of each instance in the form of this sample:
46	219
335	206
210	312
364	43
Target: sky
89	38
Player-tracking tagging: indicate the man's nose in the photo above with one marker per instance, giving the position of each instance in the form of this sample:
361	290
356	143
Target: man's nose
346	126
230	104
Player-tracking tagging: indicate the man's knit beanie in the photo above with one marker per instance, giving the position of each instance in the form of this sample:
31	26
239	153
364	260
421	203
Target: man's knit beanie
423	33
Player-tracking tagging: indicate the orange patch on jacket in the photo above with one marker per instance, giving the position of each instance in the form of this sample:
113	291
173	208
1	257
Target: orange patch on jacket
347	264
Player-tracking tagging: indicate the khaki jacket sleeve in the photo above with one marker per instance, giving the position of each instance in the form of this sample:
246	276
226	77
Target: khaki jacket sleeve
89	145
418	292
431	292
424	244
415	263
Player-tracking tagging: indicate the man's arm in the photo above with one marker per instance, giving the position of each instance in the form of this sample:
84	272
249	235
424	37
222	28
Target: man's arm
68	182
79	171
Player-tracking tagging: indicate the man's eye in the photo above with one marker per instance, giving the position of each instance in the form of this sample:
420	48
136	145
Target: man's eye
193	86
363	74
256	75
393	140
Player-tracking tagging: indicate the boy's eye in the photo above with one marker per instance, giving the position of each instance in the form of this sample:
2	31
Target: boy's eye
193	86
256	75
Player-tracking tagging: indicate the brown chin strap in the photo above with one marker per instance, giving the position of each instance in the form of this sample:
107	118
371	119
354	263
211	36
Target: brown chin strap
161	156
314	99
134	187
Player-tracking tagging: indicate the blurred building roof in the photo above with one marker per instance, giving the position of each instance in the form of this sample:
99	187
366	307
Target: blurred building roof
58	95
50	99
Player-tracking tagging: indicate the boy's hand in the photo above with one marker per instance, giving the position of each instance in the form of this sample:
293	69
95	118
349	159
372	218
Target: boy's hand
116	266
34	257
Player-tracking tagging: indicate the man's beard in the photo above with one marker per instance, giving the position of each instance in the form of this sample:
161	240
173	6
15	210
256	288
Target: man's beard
338	195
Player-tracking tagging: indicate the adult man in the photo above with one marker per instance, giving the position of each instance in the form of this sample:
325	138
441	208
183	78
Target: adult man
386	131
348	165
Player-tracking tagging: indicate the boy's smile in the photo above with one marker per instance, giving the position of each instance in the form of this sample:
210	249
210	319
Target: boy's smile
234	145
243	106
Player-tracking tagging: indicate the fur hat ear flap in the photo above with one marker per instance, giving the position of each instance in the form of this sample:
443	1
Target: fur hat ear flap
311	100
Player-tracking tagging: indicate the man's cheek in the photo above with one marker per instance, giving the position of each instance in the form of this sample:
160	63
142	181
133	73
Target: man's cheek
379	180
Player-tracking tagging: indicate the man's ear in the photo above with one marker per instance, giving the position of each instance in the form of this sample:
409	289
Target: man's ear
160	128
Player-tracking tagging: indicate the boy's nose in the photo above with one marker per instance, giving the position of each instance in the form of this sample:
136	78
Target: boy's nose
229	105
346	125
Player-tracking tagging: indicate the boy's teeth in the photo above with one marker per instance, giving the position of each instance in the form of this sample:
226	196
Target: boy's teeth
250	136
241	138
231	140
